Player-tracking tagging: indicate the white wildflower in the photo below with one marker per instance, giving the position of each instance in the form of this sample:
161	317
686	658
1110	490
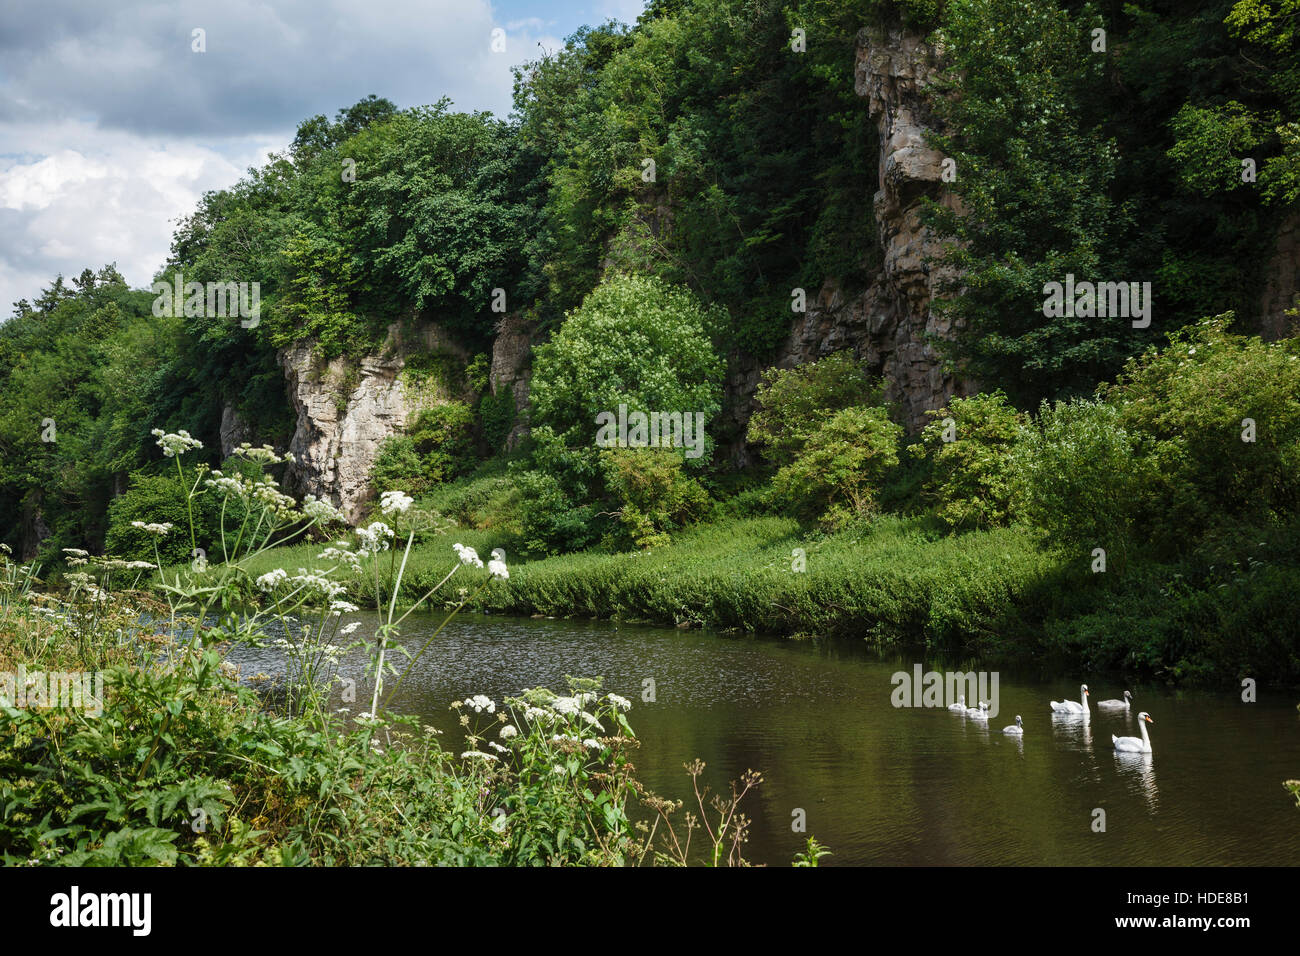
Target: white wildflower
481	703
375	537
272	579
622	703
349	628
395	502
509	731
175	443
467	555
498	569
153	528
322	511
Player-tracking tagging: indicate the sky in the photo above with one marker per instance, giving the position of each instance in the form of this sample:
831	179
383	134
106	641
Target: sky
112	125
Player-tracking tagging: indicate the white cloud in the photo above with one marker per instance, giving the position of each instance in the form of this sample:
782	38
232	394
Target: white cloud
111	128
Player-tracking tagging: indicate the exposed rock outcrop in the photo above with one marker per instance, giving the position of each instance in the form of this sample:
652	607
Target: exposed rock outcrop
890	324
512	351
234	431
346	410
1282	282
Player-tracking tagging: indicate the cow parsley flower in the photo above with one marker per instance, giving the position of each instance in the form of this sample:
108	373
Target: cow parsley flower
177	443
272	579
565	705
154	528
395	502
320	510
481	703
498	569
467	555
622	703
509	731
375	537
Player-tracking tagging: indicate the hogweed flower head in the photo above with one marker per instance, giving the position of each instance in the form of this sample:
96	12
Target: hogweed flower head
321	510
395	502
272	579
152	528
467	555
175	443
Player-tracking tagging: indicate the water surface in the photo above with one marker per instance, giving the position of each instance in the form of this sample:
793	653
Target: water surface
886	785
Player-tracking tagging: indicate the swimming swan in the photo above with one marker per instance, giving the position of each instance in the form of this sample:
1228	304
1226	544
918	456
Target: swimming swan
1116	704
1070	707
980	713
1017	730
1133	744
960	706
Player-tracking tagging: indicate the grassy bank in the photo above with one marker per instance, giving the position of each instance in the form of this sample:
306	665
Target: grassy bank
900	582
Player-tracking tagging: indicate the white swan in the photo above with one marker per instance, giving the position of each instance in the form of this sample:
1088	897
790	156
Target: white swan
1133	744
978	713
1116	704
1070	707
1017	730
960	706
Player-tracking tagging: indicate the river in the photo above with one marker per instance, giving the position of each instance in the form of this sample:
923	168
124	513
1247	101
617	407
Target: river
880	784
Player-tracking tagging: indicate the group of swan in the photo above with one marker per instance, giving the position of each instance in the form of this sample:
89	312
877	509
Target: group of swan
1141	745
1068	707
982	713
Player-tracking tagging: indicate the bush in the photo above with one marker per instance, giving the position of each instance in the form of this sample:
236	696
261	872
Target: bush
841	465
969	446
1079	477
549	520
160	499
1219	414
653	492
794	403
496	414
634	341
436	448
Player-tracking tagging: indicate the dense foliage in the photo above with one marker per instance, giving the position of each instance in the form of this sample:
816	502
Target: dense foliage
648	210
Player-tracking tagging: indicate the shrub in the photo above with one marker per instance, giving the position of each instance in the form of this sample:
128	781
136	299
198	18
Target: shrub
436	448
1078	476
653	492
841	465
969	446
549	520
496	413
794	403
161	499
1190	403
635	341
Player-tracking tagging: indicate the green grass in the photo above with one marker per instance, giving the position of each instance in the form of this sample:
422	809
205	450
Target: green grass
995	595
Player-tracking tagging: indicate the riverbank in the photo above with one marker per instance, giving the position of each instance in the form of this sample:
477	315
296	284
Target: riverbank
995	595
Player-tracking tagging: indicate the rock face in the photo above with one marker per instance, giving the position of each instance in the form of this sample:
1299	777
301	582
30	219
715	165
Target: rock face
1282	282
346	410
890	324
234	431
512	351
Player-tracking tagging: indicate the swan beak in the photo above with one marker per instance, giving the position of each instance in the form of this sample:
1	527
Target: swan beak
1150	721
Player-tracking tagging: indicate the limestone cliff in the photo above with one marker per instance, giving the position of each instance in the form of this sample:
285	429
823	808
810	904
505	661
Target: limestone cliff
346	409
890	324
